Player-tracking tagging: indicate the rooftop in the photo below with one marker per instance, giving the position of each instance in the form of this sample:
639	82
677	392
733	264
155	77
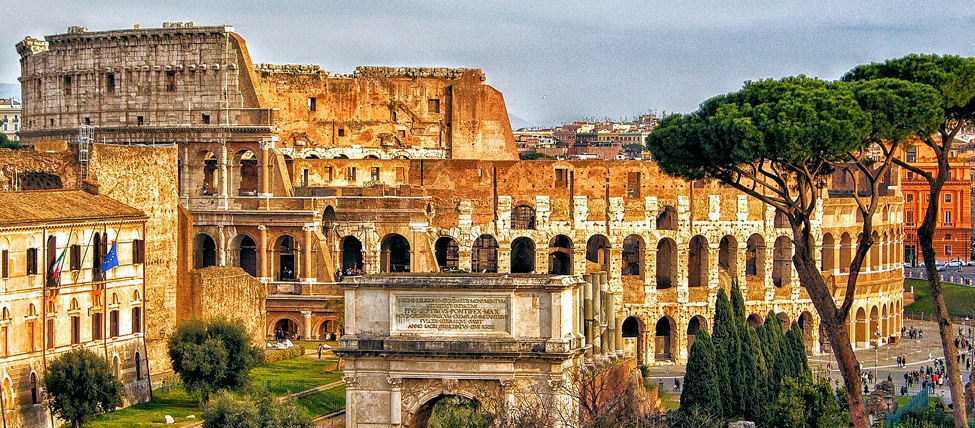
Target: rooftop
59	206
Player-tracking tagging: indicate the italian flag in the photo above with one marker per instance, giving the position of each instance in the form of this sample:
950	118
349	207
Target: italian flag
56	267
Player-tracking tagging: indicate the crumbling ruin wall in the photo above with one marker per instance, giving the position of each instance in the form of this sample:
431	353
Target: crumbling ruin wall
227	292
146	178
480	126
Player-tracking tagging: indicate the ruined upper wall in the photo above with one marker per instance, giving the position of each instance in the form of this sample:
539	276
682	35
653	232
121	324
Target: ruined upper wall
387	112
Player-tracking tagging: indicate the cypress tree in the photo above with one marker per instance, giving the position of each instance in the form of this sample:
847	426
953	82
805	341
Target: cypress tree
798	350
701	379
756	392
738	302
727	344
779	360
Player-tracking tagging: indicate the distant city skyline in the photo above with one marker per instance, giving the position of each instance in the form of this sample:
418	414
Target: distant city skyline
554	63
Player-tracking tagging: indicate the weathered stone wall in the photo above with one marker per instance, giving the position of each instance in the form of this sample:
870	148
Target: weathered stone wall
226	292
145	178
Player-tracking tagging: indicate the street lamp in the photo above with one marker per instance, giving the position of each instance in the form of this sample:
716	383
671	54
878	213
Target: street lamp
876	354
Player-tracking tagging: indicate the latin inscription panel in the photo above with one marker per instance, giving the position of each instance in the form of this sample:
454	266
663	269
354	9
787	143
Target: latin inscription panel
451	313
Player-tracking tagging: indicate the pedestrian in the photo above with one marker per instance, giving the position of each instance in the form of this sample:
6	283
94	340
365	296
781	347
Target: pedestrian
319	351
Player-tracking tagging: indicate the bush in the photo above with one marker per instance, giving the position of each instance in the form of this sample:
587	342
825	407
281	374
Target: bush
256	410
212	355
282	355
82	385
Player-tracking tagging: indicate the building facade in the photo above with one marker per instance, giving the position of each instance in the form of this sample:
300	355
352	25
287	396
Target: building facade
953	231
295	174
10	118
49	307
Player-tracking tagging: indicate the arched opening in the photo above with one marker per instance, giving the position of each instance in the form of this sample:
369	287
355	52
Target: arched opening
245	164
807	326
340	157
311	156
560	255
663	340
395	253
351	255
523	217
328	219
755	256
209	182
728	256
522	255
754	320
633	251
204	251
884	330
597	254
138	366
695	325
861	327
484	254
697	262
325	330
632	342
246	254
445	410
666	269
371	157
286	328
885	256
826	253
784	321
35	389
448	253
667	218
875	251
874	332
846	252
782	262
286	249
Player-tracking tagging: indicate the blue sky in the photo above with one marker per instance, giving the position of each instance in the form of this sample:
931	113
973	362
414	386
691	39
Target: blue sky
553	60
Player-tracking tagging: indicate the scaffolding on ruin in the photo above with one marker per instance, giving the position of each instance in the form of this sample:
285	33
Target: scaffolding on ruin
86	135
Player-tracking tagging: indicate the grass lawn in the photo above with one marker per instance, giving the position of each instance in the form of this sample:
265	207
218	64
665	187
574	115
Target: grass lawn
177	403
960	300
295	375
901	401
325	402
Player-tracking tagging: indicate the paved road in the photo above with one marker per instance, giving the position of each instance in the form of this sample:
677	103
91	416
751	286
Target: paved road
964	275
883	361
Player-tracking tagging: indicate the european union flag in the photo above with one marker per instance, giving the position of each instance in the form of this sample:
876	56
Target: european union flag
111	259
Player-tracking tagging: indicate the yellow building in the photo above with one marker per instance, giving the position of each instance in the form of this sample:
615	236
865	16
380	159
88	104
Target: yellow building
49	306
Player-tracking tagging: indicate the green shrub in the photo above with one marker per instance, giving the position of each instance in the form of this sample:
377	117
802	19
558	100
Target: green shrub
282	355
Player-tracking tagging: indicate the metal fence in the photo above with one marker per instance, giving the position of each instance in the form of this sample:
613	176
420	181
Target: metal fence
919	401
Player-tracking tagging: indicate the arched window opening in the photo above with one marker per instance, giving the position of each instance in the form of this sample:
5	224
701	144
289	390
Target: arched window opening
246	166
286	328
861	327
697	262
846	252
522	255
247	255
875	251
755	256
138	366
667	218
484	254
695	325
806	324
35	391
209	185
728	256
328	219
395	253
666	263
782	262
597	254
874	332
633	255
204	251
560	255
286	251
784	321
351	256
448	253
632	342
523	217
754	320
826	253
663	339
311	156
781	220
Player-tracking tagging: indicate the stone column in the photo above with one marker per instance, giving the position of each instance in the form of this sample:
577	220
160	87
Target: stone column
306	318
262	261
464	255
222	164
221	246
589	325
351	415
395	400
265	177
307	274
619	332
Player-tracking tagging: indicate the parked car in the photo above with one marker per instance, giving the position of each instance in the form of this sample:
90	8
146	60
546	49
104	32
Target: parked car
970	263
940	267
955	263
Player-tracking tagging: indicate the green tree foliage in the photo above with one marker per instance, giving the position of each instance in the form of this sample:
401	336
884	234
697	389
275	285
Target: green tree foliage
82	385
804	403
701	378
212	355
757	385
797	350
257	410
738	303
727	353
458	412
7	143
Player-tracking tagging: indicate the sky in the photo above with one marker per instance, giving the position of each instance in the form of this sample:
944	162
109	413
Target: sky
554	61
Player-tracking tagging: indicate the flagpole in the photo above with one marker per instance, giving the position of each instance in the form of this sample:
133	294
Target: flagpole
60	260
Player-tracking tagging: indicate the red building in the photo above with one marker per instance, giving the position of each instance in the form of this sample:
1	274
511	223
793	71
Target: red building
953	233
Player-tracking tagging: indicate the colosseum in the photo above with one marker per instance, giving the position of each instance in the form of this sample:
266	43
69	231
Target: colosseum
294	173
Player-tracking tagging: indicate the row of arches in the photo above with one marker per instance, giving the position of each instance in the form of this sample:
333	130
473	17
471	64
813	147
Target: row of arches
837	256
878	325
637	339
